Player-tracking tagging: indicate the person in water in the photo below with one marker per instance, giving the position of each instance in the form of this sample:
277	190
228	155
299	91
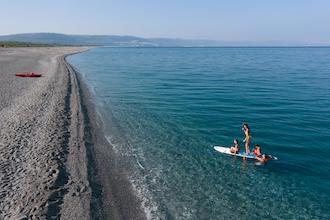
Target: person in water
247	140
259	156
235	148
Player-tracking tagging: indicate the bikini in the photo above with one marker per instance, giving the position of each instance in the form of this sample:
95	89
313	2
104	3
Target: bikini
256	154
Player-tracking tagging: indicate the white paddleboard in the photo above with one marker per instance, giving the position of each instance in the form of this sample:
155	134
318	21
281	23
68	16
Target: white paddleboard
226	150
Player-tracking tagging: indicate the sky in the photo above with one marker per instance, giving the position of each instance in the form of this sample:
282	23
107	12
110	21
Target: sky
226	20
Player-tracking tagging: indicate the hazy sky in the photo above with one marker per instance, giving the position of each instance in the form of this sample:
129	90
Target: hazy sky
230	20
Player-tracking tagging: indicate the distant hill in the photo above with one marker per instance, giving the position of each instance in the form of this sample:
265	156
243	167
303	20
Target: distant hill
131	41
105	40
53	38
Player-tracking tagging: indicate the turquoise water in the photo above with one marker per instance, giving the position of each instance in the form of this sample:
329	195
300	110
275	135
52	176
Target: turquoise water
167	107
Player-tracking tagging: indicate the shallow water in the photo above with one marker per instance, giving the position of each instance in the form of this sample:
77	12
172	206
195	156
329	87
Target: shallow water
168	106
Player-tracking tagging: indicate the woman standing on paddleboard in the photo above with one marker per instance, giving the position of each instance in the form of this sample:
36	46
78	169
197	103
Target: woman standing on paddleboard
247	140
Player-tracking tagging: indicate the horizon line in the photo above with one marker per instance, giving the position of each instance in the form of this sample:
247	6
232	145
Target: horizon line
286	43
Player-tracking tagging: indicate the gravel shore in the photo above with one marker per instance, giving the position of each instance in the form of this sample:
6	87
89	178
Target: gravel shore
43	160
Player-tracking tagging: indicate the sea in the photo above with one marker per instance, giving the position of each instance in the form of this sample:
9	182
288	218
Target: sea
168	107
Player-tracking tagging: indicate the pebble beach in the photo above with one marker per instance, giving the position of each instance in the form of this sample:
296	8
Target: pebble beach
43	168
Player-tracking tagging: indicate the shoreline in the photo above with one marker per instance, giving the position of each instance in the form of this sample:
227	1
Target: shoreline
112	192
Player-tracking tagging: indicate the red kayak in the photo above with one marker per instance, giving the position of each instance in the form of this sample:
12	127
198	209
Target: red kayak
31	74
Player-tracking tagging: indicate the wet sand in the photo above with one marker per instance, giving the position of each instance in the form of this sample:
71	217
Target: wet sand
54	162
112	196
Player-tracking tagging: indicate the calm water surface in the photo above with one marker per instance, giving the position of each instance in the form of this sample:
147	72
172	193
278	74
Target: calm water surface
167	107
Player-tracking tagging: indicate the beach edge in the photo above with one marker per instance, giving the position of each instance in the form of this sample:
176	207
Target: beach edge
111	192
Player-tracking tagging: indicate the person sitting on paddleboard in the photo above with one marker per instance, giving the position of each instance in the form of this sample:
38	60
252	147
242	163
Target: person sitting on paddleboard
259	156
247	140
235	148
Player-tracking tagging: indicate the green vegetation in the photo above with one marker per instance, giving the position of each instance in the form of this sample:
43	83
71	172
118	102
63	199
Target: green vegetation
25	44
